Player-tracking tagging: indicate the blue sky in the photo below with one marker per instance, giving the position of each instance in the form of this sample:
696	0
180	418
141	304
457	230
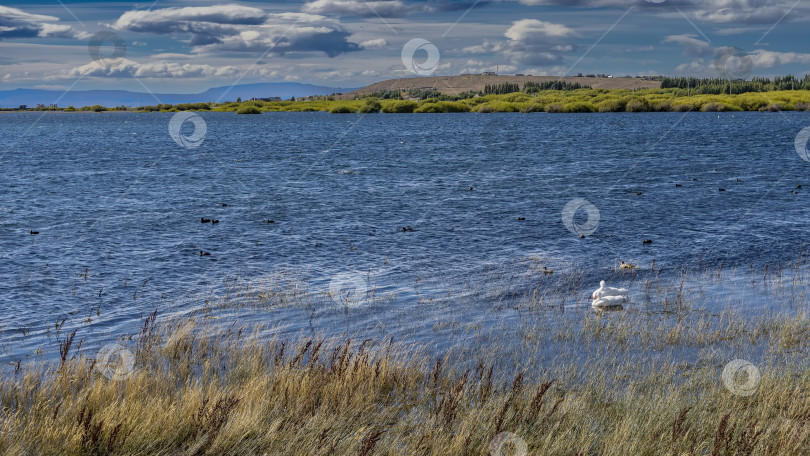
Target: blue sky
191	45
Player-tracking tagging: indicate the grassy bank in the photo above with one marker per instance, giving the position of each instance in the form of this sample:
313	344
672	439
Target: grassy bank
580	383
553	101
191	390
550	101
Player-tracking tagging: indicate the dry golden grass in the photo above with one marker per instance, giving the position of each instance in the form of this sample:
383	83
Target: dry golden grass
581	383
194	392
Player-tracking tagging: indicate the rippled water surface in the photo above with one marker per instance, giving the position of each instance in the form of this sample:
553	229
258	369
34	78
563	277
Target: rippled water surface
117	204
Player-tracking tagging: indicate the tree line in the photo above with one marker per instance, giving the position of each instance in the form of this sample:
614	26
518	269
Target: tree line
717	86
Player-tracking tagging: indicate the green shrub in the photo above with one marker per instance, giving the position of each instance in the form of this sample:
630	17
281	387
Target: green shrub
612	105
342	109
533	107
495	107
579	106
637	105
773	107
401	107
555	108
370	106
441	106
517	97
716	106
248	109
662	106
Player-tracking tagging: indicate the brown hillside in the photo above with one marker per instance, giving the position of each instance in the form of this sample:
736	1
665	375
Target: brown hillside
453	85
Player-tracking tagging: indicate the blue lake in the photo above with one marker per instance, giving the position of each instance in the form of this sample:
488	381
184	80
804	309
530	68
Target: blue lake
118	205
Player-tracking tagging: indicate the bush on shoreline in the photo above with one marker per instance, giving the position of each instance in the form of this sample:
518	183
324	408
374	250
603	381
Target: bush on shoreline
551	101
342	109
248	110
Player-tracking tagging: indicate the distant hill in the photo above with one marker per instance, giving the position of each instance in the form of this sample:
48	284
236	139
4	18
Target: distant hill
78	98
454	85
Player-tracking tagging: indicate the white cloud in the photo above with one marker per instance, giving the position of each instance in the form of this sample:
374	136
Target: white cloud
385	8
129	68
693	47
531	42
713	11
769	59
532	30
759	59
237	28
16	23
187	19
374	44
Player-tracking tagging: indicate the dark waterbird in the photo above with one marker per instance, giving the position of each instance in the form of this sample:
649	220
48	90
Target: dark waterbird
646	241
33	233
204	253
271	221
214	221
407	229
205	220
721	189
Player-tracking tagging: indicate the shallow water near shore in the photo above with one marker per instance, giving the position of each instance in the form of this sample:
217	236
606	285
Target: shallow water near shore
117	204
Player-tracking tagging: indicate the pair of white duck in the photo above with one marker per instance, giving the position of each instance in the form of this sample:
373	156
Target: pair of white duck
609	296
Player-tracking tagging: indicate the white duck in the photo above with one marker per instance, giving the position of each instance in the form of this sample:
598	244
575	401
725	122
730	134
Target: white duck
609	296
609	301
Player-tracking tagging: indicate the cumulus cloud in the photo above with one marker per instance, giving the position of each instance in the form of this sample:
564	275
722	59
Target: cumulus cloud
713	11
281	40
187	19
769	59
237	28
705	54
129	68
384	8
374	44
533	30
536	43
693	47
16	23
530	42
